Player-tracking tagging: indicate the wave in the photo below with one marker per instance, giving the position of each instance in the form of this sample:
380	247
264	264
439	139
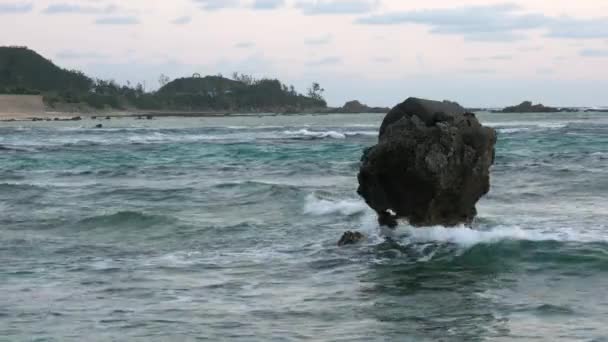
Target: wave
534	124
468	237
10	148
328	134
512	130
320	207
132	219
297	182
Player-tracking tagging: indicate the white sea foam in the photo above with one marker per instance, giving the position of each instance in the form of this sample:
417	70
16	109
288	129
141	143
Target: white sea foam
319	207
175	259
157	137
325	134
512	130
536	124
467	237
366	133
329	134
462	236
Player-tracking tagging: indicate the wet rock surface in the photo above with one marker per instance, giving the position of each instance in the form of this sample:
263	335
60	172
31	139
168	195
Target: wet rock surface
431	165
350	238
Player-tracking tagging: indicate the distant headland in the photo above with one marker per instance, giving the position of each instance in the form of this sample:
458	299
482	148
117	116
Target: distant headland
31	86
25	72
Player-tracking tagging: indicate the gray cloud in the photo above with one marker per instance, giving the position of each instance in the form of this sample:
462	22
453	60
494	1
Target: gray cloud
268	4
244	45
490	58
502	22
67	8
214	5
318	7
320	40
566	27
382	60
594	53
16	7
501	57
478	23
530	48
182	20
118	20
325	61
482	71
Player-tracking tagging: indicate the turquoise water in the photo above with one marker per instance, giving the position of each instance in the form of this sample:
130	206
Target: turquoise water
226	229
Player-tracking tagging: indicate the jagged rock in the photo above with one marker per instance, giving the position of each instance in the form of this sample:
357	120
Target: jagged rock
430	166
350	238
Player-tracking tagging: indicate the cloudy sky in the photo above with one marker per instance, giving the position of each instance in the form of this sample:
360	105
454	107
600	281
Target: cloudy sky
478	52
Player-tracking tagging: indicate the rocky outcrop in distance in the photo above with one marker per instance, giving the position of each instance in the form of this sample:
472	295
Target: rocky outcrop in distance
528	107
354	107
431	165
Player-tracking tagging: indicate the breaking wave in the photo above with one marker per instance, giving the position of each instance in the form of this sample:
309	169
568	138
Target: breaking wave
328	134
319	207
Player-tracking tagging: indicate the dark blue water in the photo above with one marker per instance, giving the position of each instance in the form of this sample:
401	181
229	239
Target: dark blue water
226	229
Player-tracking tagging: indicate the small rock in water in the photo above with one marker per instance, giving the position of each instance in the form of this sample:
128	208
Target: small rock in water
431	165
99	126
350	238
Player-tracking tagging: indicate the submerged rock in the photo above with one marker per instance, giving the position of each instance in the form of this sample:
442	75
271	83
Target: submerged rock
350	238
430	166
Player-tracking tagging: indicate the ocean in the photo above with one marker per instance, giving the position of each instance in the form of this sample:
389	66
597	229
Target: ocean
212	229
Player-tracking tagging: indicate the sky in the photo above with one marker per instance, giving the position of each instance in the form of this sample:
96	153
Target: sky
479	53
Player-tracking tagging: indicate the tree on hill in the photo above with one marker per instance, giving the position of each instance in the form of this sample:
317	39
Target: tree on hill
316	92
163	80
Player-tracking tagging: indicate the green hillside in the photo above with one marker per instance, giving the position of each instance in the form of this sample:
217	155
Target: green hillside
220	93
23	71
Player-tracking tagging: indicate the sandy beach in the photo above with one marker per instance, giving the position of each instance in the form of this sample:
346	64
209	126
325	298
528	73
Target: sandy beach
21	106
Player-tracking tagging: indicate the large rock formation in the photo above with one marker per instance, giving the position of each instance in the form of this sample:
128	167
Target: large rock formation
430	166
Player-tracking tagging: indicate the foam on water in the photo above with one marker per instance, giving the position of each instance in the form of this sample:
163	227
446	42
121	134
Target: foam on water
468	237
329	134
512	130
319	207
325	134
535	124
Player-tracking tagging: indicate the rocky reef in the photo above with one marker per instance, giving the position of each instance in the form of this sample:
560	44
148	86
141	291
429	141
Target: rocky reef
354	107
431	165
528	107
349	238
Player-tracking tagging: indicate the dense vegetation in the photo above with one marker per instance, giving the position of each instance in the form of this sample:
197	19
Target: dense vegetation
23	71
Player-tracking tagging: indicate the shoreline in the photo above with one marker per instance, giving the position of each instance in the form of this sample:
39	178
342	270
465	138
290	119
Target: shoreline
149	115
146	115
